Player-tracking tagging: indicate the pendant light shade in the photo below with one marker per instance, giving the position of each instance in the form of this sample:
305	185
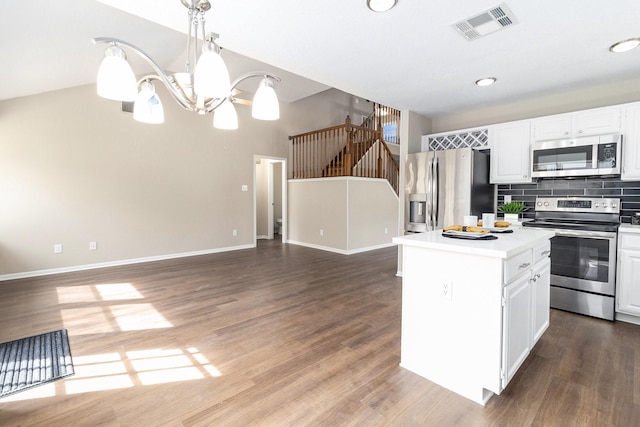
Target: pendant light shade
211	77
225	116
265	102
115	77
148	108
381	5
204	88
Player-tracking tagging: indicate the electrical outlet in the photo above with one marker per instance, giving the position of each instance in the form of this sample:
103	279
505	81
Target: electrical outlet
93	246
386	230
234	232
245	188
57	248
321	232
447	290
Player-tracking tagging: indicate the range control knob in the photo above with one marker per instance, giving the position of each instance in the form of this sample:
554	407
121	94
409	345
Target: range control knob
614	205
604	205
546	203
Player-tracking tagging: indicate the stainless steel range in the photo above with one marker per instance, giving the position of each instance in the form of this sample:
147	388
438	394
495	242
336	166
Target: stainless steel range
583	252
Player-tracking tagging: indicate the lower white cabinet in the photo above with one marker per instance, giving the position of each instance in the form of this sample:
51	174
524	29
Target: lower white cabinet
472	311
541	288
516	343
525	307
628	286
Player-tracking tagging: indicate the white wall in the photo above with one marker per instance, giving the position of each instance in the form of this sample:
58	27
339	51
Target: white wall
75	169
342	214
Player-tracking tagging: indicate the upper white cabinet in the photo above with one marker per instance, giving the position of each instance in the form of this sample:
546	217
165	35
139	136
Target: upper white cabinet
596	121
510	152
552	127
631	143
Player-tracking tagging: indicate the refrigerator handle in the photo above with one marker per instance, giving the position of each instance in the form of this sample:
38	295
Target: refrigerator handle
429	188
436	192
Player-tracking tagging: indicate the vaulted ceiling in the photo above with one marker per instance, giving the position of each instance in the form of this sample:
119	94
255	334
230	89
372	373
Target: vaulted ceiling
409	58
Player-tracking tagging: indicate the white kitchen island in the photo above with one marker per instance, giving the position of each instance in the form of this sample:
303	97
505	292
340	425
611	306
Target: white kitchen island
472	310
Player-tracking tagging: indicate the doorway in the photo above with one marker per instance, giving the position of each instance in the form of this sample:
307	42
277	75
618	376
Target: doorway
270	198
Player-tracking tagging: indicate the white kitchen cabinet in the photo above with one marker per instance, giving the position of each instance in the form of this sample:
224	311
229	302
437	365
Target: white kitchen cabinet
516	327
540	294
510	145
631	143
469	309
628	285
596	121
525	306
552	127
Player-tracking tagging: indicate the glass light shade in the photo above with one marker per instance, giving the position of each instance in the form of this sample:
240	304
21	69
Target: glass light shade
265	102
381	5
148	108
486	81
625	45
225	116
115	77
211	77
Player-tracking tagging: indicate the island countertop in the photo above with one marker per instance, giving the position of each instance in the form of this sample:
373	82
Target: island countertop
506	245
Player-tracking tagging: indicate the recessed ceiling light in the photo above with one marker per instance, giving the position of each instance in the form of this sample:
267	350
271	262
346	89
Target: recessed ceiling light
486	81
625	45
381	5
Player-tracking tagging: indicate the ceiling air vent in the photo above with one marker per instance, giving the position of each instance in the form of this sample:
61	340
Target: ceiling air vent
486	22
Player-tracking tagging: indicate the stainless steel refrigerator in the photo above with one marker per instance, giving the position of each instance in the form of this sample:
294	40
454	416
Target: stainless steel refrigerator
441	187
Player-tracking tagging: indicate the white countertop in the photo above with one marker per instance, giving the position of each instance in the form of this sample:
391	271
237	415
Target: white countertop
628	228
505	246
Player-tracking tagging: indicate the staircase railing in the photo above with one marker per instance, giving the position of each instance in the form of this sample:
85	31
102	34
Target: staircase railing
343	150
386	119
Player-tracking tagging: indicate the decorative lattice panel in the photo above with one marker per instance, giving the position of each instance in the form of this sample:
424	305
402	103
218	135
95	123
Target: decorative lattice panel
474	138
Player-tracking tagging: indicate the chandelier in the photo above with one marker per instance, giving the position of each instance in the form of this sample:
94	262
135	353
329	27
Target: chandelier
203	89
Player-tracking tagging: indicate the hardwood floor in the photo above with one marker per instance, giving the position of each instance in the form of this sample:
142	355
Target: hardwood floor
284	335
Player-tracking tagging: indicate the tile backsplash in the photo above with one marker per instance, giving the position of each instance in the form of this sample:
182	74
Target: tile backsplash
627	191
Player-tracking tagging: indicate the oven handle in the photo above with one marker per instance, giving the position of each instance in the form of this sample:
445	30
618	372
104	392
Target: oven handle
586	233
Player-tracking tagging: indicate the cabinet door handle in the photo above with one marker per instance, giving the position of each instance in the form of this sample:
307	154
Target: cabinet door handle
524	265
547	252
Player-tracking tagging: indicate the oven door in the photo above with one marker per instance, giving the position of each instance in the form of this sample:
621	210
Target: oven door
584	260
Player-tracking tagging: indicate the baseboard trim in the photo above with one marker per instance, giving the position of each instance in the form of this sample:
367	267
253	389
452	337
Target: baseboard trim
341	251
623	317
38	273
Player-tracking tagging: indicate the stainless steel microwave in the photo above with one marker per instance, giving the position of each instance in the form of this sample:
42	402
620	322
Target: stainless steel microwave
584	156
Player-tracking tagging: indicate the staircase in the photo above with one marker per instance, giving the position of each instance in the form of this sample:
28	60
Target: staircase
350	150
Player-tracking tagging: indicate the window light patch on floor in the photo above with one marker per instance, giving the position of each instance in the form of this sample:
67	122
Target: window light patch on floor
108	371
86	320
118	291
136	317
99	292
45	390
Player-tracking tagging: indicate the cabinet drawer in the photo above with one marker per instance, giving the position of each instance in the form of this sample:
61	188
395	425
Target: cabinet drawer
541	252
516	265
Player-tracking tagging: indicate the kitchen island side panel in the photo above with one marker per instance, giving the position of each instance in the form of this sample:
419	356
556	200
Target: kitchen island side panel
453	339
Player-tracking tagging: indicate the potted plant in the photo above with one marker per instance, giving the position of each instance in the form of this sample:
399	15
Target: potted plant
512	210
